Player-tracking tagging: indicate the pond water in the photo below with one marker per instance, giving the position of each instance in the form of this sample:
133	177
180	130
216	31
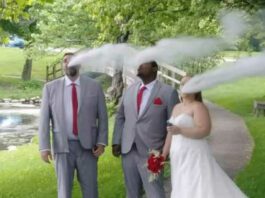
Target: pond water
18	124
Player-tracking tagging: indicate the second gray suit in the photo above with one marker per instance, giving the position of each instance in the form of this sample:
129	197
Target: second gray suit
137	135
92	129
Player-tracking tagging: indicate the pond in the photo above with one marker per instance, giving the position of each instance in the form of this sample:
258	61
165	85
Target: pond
18	124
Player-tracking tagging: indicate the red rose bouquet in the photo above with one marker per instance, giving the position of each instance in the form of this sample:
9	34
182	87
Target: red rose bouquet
155	164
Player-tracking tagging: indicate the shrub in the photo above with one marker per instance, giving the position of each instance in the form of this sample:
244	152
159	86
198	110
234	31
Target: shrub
32	84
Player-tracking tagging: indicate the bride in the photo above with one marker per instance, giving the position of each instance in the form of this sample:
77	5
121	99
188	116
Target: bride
194	171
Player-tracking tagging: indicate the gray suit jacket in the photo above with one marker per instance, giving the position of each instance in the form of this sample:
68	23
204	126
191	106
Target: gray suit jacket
148	130
92	116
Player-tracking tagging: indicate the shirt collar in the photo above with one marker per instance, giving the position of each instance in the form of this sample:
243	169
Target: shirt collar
149	86
68	82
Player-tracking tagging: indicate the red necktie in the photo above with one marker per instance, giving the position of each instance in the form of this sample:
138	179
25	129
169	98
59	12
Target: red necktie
75	107
139	98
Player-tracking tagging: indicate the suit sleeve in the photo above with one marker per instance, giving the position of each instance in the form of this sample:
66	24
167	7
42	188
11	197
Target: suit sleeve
173	100
102	119
44	125
119	124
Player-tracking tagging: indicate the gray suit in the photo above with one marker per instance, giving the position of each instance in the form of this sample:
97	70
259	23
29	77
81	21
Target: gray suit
92	129
138	134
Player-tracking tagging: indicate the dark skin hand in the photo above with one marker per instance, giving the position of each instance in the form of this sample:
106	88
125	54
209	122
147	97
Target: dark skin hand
116	150
98	150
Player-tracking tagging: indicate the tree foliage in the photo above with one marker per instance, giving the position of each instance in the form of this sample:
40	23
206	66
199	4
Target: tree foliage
63	24
15	18
254	39
94	22
150	20
14	10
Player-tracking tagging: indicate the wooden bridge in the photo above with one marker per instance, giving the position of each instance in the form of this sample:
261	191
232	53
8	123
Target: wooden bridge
167	74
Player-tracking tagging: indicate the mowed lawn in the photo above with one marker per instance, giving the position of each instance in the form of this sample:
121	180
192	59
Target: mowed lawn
238	97
13	59
24	175
11	67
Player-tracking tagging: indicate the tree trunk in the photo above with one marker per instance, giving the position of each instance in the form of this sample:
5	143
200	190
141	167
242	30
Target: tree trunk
117	85
3	3
26	74
116	89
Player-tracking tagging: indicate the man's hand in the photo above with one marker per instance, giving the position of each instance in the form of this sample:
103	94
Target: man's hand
46	156
116	150
98	150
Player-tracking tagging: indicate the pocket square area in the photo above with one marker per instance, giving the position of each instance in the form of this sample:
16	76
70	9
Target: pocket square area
158	101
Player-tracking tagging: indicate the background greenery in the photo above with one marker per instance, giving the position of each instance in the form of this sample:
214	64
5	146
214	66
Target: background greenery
238	97
89	23
23	174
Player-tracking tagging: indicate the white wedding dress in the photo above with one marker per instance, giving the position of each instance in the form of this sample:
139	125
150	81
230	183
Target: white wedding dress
194	171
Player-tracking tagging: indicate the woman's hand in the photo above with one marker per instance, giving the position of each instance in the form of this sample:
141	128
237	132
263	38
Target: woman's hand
165	155
173	129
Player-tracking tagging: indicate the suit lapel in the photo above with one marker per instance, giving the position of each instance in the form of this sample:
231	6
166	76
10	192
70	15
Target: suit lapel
60	100
135	92
61	92
61	104
81	93
154	93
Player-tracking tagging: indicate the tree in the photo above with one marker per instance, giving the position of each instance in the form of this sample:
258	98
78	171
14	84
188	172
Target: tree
145	22
151	20
63	24
15	19
254	40
13	10
141	22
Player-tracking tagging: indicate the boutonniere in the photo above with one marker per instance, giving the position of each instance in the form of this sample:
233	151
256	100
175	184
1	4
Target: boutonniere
158	101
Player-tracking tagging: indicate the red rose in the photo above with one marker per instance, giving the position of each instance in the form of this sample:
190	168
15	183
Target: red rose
155	163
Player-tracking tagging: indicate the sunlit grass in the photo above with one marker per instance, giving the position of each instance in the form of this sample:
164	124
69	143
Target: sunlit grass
23	174
11	66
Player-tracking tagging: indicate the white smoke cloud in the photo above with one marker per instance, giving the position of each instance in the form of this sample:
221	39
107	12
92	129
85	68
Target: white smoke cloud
244	67
109	55
177	51
234	25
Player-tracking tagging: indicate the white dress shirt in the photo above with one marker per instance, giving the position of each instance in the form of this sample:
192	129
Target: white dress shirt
146	94
68	105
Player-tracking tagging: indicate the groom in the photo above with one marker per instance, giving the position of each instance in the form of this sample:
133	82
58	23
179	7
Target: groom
141	126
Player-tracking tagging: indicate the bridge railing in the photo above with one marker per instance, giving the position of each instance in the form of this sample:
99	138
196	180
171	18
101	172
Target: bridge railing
54	71
170	75
167	74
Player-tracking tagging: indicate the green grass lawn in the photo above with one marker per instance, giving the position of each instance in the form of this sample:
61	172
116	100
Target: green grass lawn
13	59
237	54
11	66
16	89
23	174
238	97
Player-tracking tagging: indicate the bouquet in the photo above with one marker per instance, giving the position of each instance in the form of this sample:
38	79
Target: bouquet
155	164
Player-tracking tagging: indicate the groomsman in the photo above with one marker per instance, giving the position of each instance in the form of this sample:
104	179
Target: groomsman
141	126
75	106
